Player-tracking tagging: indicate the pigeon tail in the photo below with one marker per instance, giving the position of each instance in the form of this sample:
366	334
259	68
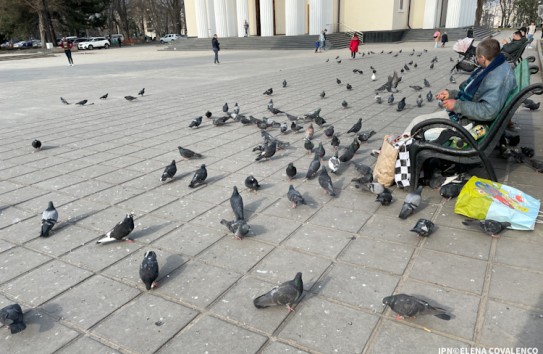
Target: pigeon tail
107	239
443	316
264	301
407	210
46	227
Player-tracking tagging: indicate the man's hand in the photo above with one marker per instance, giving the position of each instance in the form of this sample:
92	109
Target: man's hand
504	41
442	95
449	105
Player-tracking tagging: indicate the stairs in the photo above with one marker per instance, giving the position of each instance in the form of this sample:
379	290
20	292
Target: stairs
338	40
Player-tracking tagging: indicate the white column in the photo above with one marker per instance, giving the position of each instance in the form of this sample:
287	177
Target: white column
453	14
211	17
231	19
467	13
220	18
202	27
430	9
242	10
317	21
266	18
294	17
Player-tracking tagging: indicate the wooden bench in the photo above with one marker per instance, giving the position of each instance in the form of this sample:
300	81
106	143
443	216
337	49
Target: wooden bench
476	152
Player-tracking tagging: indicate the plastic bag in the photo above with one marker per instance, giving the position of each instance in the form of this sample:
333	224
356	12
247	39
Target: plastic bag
483	199
385	166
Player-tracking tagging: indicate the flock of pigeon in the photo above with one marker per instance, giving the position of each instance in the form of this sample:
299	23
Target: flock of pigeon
289	293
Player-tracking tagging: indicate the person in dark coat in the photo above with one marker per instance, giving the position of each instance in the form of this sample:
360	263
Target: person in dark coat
470	32
511	49
216	47
67	46
444	39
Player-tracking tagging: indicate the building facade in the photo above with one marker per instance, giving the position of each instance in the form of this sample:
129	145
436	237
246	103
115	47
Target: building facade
226	18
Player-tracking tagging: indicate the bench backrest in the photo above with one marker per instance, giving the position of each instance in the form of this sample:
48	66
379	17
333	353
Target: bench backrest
518	56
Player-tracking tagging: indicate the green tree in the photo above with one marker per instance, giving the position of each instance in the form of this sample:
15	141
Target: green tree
526	12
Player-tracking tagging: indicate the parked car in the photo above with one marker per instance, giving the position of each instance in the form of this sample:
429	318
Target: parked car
81	39
23	44
36	43
169	37
94	42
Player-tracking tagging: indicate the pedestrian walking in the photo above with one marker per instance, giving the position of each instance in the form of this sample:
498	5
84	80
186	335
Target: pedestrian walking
120	41
470	32
353	45
444	39
246	26
216	47
67	46
531	32
437	36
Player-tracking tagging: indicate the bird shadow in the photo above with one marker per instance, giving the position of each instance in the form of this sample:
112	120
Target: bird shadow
77	218
257	230
251	208
53	309
43	320
215	178
48	147
172	264
147	231
318	286
310	201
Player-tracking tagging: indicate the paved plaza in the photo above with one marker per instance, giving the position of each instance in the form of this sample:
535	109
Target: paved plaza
103	160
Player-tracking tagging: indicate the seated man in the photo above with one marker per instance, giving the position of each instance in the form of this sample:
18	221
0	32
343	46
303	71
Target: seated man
511	49
481	96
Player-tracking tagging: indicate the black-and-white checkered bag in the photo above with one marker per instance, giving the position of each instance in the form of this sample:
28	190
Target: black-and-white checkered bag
402	170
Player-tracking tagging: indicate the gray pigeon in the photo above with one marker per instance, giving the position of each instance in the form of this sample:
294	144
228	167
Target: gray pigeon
251	183
366	174
385	197
401	105
308	145
130	98
188	154
169	172
326	182
376	187
432	66
419	101
335	142
284	127
236	202
236	108
81	103
411	203
415	87
366	135
423	228
429	96
426	83
199	176
348	154
225	107
288	293
313	167
344	104
12	317
270	103
320	151
322	94
349	87
196	122
491	227
120	231
338	81
103	97
49	218
452	80
149	270
64	101
142	92
239	228
291	171
410	306
295	197
329	132
356	127
268	152
390	99
378	99
284	83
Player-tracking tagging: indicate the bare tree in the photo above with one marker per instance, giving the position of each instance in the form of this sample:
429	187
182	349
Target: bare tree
507	7
526	11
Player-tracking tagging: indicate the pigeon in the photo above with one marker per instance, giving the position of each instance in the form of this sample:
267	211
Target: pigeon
333	163
284	127
401	105
142	92
149	270
423	228
284	83
344	104
452	80
270	103
337	57
316	113
12	317
373	77
491	227
251	183
320	121
199	176
320	150
335	142
208	114
239	228
236	108
406	67
411	203
415	65
309	132
36	144
451	190
291	171
339	61
268	92
451	59
120	231
274	110
338	81
390	99
322	94
329	132
432	66
355	71
366	135
366	173
220	121
64	101
270	150
308	145
130	98
287	294
188	154
326	182
378	99
327	60
410	306
294	197
103	97
385	197
169	172
419	101
82	102
225	107
355	145
531	105
376	188
236	202
348	154
196	122
349	87
426	83
415	87
49	218
356	127
429	96
295	127
313	167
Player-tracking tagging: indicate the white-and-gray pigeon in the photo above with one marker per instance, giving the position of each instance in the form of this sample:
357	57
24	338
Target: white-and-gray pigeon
149	270
49	218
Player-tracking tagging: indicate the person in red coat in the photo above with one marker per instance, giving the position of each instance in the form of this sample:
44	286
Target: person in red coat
353	46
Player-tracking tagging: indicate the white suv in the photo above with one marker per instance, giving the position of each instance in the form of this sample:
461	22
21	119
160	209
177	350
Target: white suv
169	37
94	42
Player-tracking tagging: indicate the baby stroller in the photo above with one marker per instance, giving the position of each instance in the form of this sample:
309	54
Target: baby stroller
466	50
